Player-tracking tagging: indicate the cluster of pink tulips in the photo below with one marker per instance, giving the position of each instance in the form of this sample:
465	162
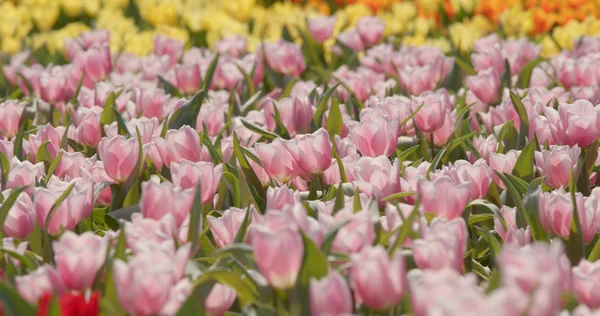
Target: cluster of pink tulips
381	181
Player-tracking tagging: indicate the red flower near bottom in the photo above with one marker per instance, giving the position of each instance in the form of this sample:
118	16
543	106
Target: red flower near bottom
71	305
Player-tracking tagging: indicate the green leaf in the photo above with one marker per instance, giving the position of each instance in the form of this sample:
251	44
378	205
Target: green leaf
288	89
53	166
195	218
342	169
13	303
122	127
188	112
531	204
524	166
334	121
523	117
18	144
5	165
492	208
168	87
464	65
108	115
233	184
330	235
525	75
124	213
508	137
516	196
398	195
595	253
249	83
340	200
322	106
241	233
585	166
314	262
43	154
490	239
256	188
575	244
258	130
404	229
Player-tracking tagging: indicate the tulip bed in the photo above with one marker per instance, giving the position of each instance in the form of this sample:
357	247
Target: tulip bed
370	178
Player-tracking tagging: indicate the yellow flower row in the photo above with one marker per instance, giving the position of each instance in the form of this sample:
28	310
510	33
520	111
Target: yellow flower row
47	23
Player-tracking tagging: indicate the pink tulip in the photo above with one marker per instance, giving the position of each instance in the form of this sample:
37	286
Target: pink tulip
7	148
151	102
350	39
379	282
312	152
277	160
70	164
53	86
212	116
183	143
88	126
278	198
96	61
575	123
443	245
45	133
225	228
164	46
232	45
11	111
159	199
330	295
17	62
39	282
443	197
278	253
24	174
321	28
375	137
76	206
187	174
32	75
444	133
377	177
586	283
478	177
148	127
136	280
539	269
296	115
99	94
556	211
285	58
142	229
432	114
485	85
20	220
420	78
120	156
188	78
177	296
220	299
484	146
354	236
557	164
491	57
589	216
512	235
78	258
502	163
97	174
370	30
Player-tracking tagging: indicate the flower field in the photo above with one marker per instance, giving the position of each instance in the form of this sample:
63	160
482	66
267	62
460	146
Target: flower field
246	157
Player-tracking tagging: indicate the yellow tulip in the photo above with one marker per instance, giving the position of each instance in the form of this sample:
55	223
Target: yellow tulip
91	7
239	9
517	22
11	45
72	8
